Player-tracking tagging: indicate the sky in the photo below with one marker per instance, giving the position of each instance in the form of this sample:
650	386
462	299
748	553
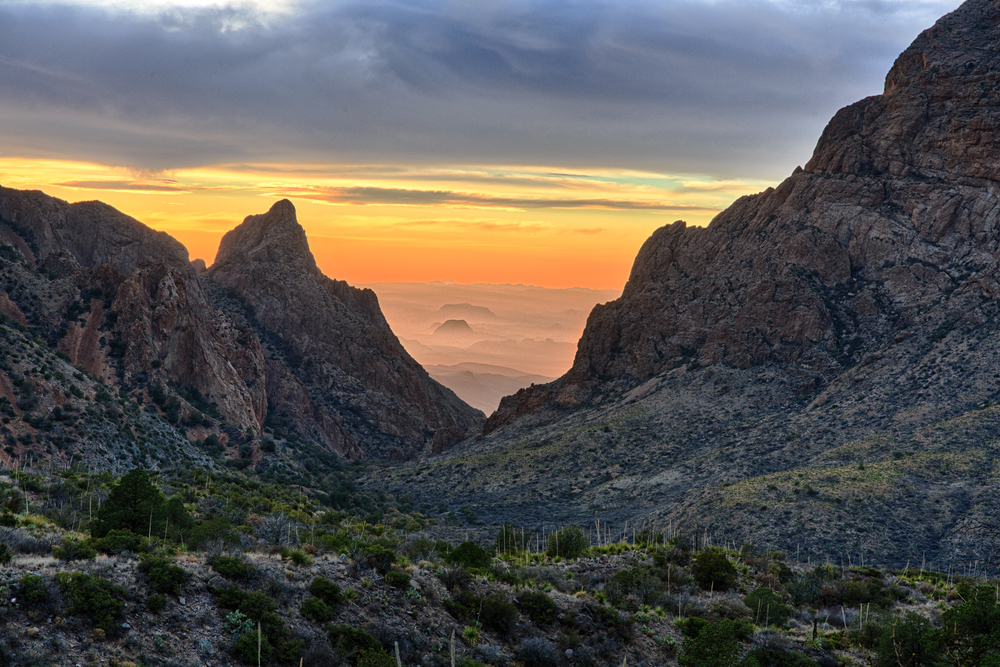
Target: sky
536	142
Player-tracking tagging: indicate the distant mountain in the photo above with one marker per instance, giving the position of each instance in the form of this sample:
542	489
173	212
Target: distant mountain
483	385
466	311
454	328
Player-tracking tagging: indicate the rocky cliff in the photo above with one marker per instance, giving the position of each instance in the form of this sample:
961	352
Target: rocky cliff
335	363
894	214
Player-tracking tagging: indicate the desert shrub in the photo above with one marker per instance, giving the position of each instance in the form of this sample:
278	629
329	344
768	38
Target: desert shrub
259	608
907	642
804	589
72	549
728	608
493	612
119	541
637	581
213	530
713	571
715	645
19	541
379	557
770	656
317	611
296	557
454	578
350	642
379	658
34	593
5	555
538	606
691	625
246	648
156	602
164	575
233	568
538	652
767	608
613	622
400	580
327	591
469	554
93	597
422	547
567	542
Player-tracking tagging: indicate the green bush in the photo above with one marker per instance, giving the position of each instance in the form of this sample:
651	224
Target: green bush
246	648
379	557
155	603
213	530
259	608
469	554
567	542
120	540
164	575
690	626
327	591
778	657
33	590
713	571
379	658
715	645
5	555
908	642
317	611
396	579
637	581
352	642
538	606
134	504
493	611
233	568
93	597
767	607
72	549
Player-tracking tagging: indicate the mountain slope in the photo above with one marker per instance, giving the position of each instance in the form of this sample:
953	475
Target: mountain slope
824	354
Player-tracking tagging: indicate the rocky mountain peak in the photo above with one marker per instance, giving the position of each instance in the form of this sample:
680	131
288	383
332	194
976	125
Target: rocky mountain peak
272	237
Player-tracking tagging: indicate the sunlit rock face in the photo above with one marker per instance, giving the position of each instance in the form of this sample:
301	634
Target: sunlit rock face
895	215
342	371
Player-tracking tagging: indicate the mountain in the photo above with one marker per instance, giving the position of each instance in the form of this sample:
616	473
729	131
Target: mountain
103	314
817	368
483	385
466	311
336	368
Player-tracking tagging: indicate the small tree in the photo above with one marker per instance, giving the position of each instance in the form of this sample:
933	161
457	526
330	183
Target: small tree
567	542
713	571
134	504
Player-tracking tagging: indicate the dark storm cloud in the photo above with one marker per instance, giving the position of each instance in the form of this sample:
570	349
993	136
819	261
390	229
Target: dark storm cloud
737	88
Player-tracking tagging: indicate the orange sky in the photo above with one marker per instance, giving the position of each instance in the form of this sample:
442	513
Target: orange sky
552	227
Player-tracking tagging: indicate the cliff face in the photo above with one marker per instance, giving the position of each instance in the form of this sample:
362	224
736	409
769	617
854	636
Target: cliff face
344	371
894	214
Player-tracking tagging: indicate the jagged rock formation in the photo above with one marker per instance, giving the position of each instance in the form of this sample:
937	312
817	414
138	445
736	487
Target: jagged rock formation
894	213
345	372
161	324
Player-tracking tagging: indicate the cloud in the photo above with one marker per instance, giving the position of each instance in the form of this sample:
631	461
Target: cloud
364	195
726	88
129	186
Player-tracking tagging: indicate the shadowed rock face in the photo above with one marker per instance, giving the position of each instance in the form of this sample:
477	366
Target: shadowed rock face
365	393
894	213
164	326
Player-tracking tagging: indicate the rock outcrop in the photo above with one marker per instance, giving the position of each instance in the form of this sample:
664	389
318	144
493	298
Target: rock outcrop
364	391
894	214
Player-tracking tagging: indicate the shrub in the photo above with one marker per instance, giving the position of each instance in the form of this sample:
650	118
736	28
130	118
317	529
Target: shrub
767	608
637	581
134	504
779	657
246	648
379	658
538	652
352	642
905	643
567	542
317	611
5	555
470	554
713	571
379	557
397	579
155	603
233	568
298	556
539	607
164	575
492	611
422	547
94	597
33	590
327	591
72	549
454	578
120	540
259	608
715	645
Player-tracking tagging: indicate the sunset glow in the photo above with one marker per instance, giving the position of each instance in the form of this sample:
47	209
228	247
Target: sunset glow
554	227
